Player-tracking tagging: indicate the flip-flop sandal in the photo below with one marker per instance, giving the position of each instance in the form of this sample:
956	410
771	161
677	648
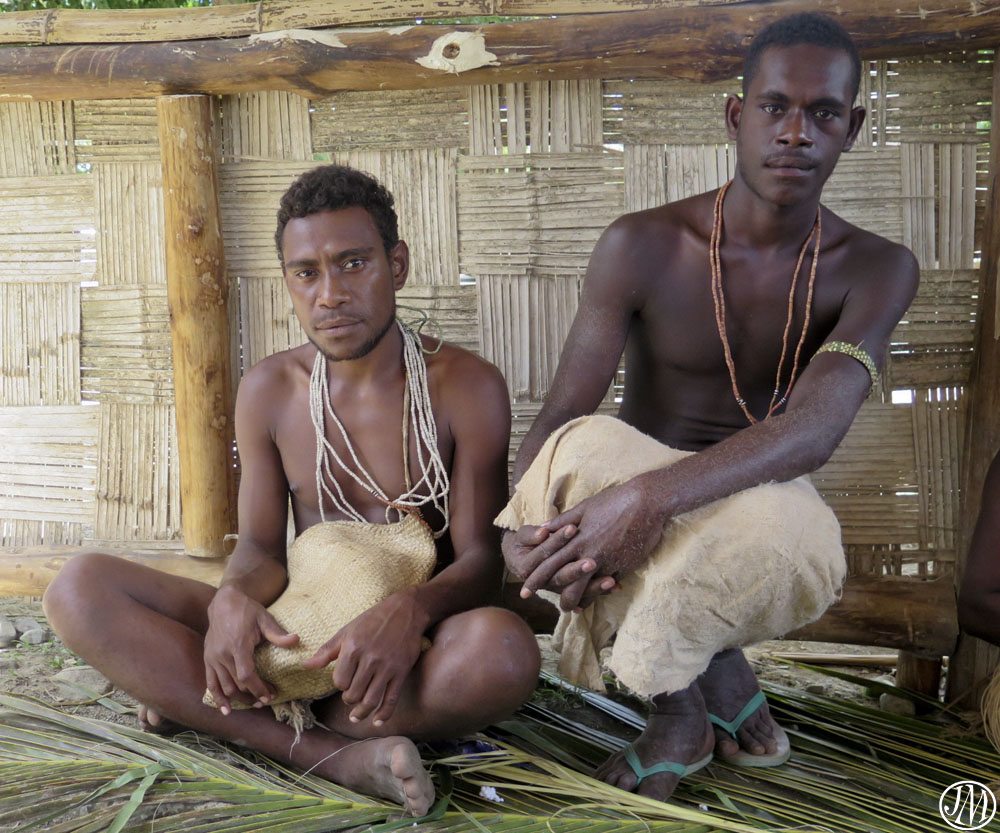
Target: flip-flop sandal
744	758
680	770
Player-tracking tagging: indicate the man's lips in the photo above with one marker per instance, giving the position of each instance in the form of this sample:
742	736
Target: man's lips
785	163
336	324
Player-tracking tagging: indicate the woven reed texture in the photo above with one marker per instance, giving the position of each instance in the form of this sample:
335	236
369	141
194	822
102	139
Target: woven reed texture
502	191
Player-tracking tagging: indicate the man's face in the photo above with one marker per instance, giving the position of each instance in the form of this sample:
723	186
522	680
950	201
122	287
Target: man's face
342	282
794	121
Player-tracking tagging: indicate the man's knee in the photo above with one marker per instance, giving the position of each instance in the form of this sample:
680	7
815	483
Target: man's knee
70	592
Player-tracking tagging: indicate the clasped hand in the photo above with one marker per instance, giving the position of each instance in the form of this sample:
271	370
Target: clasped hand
582	553
374	655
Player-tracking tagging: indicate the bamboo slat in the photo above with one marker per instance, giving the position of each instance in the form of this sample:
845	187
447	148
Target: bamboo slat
866	189
16	533
525	320
871	481
939	425
423	182
266	125
39	344
694	169
453	312
943	98
395	119
919	197
48	460
137	502
957	206
126	353
535	213
537	117
47	233
116	130
130	224
267	323
666	111
37	138
645	176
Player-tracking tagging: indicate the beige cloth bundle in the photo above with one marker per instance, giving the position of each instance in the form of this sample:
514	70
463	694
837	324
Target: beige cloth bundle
746	568
336	571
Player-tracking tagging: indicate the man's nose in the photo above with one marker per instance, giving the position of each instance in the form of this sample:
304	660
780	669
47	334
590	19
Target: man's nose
332	290
795	129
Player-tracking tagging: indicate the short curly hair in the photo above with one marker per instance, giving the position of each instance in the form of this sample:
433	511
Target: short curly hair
331	188
807	27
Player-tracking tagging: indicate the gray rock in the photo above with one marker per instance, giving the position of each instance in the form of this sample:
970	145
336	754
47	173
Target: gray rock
36	636
816	688
8	633
896	705
80	683
23	624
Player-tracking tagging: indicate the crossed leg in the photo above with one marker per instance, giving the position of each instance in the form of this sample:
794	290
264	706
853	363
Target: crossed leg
144	630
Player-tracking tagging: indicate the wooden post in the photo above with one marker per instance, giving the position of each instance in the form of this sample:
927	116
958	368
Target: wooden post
198	294
974	660
919	674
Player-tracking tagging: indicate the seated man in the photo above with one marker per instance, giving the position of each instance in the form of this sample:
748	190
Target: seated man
979	594
327	424
752	320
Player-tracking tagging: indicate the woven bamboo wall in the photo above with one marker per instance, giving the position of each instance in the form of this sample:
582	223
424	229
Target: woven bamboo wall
502	192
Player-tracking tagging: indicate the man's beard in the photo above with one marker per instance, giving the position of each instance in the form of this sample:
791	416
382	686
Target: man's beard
365	348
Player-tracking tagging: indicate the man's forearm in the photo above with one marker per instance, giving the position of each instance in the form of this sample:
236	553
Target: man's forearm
257	575
471	581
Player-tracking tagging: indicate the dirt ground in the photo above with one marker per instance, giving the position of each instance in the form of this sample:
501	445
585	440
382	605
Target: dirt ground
30	670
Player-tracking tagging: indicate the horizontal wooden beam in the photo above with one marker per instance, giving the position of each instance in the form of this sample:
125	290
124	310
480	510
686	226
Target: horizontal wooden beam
701	43
28	571
907	614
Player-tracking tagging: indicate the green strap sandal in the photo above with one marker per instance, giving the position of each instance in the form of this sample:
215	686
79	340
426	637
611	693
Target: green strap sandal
744	758
680	770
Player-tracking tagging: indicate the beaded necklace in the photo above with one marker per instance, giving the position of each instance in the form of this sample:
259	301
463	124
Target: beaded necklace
715	262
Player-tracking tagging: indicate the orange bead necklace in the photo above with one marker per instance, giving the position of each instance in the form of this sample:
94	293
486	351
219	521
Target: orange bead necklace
715	262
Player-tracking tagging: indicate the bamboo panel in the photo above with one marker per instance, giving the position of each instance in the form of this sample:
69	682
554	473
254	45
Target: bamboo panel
871	481
248	202
694	169
536	213
39	344
117	130
394	119
536	117
957	206
525	320
866	189
138	483
944	98
47	233
453	312
126	353
666	111
938	428
37	138
265	125
919	196
933	344
18	533
130	246
424	185
267	323
645	176
47	463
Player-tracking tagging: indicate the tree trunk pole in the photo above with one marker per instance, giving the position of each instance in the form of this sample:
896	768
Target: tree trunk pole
974	660
198	294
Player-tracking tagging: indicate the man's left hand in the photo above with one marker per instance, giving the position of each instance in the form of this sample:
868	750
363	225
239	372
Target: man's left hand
374	654
615	531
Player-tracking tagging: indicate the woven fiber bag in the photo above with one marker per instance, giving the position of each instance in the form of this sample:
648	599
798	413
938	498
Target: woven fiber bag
336	571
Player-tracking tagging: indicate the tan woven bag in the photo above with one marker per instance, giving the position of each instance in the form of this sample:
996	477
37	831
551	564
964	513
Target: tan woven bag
336	571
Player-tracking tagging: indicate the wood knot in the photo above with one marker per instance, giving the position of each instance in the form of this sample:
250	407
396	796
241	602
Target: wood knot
196	227
451	50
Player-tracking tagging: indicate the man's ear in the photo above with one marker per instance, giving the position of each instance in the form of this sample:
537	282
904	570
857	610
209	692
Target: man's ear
399	260
734	109
857	119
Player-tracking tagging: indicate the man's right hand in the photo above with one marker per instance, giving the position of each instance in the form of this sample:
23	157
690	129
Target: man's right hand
237	625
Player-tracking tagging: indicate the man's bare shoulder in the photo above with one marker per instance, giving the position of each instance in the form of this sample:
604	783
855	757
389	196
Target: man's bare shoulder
465	383
869	258
272	380
664	225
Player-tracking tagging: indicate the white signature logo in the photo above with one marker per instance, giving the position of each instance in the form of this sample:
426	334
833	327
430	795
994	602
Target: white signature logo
967	805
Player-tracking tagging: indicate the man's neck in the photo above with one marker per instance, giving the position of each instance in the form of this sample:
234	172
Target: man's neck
380	366
753	222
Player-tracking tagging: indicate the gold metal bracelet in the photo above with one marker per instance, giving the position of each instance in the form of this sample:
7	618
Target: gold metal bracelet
857	353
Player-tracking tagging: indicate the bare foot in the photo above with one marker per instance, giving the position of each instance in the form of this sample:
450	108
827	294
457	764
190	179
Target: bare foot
152	721
727	687
387	767
677	731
